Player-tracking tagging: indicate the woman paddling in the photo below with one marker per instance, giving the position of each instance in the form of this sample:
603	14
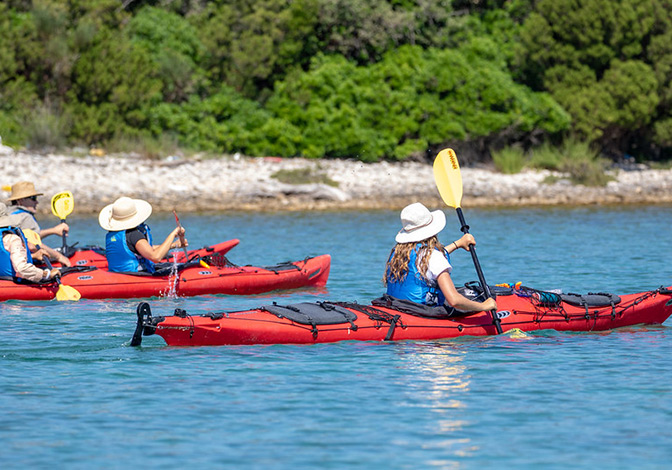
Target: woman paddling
128	243
418	268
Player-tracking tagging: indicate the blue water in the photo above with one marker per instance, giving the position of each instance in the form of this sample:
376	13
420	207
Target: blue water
75	395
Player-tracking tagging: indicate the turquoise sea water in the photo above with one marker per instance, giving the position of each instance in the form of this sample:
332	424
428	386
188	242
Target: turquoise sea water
73	394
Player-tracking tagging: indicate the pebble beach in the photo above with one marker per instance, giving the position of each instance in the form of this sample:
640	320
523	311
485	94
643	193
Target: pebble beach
235	182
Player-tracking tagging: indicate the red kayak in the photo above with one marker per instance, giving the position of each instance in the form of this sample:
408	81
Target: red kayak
95	256
390	319
220	277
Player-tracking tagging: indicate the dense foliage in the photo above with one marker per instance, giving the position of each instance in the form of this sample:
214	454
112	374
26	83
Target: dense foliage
367	79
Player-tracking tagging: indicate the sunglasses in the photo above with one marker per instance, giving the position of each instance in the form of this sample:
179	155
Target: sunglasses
33	198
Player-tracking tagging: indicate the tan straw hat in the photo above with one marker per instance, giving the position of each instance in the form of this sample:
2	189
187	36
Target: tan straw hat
23	189
124	213
419	224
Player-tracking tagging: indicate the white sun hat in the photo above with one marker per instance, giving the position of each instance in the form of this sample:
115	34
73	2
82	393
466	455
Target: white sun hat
419	224
124	213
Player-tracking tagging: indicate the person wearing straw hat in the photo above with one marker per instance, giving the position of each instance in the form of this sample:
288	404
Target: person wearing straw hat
16	261
128	243
23	199
418	268
24	203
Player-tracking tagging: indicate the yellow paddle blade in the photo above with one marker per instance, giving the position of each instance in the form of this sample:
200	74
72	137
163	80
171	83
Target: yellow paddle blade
517	333
448	177
67	293
204	264
62	204
32	236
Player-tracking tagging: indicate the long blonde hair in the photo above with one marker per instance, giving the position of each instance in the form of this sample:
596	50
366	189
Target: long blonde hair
397	264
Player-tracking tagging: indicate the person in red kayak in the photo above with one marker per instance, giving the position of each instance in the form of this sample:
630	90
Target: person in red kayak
418	268
23	199
128	243
16	260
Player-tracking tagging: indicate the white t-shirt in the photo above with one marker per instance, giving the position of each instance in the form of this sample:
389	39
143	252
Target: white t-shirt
438	263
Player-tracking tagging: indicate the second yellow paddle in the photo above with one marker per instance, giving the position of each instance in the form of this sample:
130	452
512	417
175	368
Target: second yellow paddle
62	205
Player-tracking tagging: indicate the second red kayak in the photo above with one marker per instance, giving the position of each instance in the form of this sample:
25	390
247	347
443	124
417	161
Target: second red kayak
192	279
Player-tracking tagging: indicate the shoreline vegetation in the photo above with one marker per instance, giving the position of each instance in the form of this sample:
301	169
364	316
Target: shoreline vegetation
371	80
236	182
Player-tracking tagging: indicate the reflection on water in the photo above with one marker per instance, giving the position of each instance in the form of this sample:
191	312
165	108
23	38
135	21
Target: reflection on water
443	383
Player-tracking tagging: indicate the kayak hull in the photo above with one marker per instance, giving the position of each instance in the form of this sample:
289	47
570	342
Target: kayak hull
191	281
375	323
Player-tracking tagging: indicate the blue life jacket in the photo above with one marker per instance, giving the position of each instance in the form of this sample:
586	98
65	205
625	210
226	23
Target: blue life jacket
6	268
120	258
415	287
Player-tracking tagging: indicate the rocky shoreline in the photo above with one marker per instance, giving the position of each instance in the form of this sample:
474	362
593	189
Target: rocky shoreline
247	184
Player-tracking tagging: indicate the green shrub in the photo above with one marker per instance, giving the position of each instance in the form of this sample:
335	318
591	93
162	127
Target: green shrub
546	157
509	160
303	176
148	147
412	98
45	129
576	159
588	172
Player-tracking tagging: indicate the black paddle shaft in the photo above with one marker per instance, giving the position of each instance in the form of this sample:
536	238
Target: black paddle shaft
65	243
47	261
481	278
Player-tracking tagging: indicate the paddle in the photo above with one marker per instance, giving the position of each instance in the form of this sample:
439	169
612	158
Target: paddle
62	205
186	253
64	292
177	221
449	182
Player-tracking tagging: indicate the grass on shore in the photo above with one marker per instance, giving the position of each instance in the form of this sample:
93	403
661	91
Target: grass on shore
303	176
576	159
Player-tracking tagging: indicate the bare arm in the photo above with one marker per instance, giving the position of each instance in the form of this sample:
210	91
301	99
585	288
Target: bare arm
59	230
463	242
156	253
55	255
458	301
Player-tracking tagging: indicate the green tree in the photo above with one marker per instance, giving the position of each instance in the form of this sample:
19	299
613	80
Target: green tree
605	62
113	89
174	48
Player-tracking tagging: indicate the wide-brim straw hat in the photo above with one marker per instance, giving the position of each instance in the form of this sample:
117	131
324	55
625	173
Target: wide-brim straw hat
124	213
23	189
419	223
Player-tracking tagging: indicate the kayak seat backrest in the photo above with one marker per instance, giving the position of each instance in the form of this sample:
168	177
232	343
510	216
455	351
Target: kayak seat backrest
419	310
319	313
284	266
76	269
473	291
599	299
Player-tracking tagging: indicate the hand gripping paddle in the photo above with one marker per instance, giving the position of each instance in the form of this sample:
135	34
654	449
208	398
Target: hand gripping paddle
64	292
